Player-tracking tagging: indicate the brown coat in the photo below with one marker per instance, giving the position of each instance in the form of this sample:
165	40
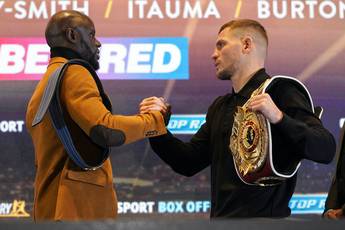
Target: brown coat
62	190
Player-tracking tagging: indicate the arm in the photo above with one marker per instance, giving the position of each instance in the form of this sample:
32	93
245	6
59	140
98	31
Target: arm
184	158
296	122
302	128
81	98
332	198
333	208
335	203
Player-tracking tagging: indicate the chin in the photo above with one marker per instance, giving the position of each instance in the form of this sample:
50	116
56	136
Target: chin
223	75
95	64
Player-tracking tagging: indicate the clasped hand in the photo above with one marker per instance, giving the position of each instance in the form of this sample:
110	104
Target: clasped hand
264	104
156	104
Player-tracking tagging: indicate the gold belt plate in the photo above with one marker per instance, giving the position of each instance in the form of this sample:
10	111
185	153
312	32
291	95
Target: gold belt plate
249	141
249	138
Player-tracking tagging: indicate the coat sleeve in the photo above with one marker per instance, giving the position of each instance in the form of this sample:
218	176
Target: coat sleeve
300	127
81	98
186	158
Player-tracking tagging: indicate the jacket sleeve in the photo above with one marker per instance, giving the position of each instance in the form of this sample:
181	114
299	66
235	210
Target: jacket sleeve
186	158
336	194
80	96
300	127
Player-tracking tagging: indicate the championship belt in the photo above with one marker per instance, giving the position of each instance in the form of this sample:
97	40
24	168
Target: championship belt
251	141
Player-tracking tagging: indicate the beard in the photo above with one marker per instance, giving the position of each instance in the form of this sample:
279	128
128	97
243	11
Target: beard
94	62
224	75
90	54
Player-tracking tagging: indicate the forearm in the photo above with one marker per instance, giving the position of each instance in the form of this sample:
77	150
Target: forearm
115	130
184	158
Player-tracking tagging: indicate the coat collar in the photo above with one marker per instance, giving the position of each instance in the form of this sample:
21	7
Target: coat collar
62	54
255	81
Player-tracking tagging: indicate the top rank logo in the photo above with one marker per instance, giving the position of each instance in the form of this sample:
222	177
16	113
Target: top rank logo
41	9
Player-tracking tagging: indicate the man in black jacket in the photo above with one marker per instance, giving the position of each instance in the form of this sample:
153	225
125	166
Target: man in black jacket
239	56
335	203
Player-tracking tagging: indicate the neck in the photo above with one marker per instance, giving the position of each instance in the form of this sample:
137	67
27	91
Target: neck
240	78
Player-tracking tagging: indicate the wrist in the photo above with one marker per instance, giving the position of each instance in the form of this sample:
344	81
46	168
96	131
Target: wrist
167	115
278	118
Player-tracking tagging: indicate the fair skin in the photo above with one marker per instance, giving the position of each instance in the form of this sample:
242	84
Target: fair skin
237	56
153	104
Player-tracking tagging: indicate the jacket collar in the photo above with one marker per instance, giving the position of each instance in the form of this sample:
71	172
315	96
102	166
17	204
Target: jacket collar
62	54
255	81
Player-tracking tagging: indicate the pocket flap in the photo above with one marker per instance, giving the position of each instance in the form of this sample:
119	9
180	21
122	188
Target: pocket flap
97	177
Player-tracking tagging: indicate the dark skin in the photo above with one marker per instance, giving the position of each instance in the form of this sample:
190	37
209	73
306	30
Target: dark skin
76	31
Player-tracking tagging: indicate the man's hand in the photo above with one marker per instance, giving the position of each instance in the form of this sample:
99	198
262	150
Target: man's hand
156	104
334	214
153	104
264	104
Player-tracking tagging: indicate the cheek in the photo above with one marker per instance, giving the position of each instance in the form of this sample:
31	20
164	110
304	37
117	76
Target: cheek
230	56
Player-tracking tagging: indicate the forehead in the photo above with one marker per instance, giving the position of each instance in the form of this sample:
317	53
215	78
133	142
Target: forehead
90	24
226	34
85	23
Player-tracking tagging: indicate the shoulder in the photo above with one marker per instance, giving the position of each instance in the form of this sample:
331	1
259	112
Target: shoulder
289	92
286	82
78	82
78	75
218	102
216	105
76	69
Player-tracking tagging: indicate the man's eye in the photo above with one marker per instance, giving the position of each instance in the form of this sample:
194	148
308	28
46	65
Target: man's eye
220	45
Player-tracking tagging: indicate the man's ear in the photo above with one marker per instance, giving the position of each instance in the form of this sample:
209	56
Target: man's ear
247	44
71	35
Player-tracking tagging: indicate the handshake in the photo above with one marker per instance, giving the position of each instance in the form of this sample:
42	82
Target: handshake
156	104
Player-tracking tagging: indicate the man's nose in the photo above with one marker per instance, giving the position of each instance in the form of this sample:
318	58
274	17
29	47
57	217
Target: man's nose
98	43
214	55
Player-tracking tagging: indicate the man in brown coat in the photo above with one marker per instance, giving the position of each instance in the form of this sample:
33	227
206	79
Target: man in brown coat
64	191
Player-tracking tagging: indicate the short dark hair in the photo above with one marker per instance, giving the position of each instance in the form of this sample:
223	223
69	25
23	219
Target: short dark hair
245	23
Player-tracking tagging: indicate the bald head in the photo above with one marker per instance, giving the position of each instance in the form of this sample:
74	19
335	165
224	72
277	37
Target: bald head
59	24
76	31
